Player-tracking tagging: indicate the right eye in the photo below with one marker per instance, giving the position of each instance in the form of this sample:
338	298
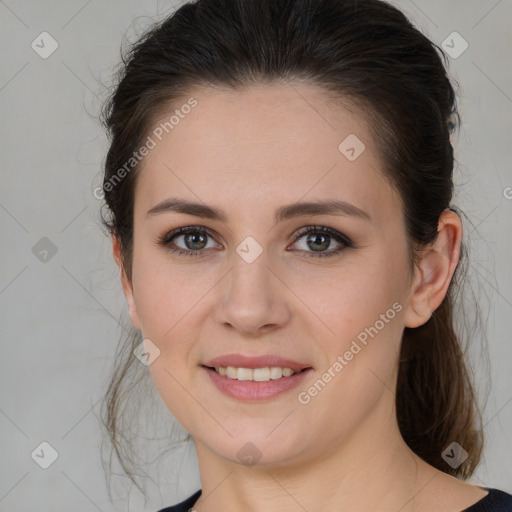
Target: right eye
194	240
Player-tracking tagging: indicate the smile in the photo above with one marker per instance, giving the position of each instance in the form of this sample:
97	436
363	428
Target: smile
255	384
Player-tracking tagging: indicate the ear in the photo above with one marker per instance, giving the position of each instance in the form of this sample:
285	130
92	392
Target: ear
127	285
435	270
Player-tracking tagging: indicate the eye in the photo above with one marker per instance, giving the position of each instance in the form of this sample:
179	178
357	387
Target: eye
318	238
194	240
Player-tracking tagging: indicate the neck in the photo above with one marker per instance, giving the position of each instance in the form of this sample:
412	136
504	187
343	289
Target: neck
373	469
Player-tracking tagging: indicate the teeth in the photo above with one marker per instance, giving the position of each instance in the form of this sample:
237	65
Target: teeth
275	372
243	373
260	374
232	372
256	374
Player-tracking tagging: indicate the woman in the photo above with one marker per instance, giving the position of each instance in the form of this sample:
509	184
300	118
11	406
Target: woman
279	188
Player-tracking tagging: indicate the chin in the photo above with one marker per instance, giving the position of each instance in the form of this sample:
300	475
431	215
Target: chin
252	448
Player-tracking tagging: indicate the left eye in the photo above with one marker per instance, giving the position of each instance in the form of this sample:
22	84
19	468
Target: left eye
320	237
317	238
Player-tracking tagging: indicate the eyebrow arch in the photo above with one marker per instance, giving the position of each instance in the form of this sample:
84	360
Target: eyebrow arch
327	207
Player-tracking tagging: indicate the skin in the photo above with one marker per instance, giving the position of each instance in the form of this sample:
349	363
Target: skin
250	152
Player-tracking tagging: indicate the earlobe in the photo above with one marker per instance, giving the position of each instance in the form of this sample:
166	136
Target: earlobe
127	285
419	309
435	270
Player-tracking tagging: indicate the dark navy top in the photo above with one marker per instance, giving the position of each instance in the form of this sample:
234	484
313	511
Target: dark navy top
495	501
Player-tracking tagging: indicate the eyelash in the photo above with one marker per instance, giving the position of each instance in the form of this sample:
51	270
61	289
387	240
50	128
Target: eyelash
166	239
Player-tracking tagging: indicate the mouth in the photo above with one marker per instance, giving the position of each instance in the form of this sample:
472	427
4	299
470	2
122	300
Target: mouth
255	384
264	374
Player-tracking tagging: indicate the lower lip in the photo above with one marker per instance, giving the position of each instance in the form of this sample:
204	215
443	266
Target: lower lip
252	391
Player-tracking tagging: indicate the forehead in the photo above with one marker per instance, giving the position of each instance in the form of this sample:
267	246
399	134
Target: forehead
263	145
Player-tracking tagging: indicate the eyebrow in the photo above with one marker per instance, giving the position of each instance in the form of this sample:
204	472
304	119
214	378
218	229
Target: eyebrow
327	207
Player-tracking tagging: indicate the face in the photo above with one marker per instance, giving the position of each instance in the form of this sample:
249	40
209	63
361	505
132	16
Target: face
335	300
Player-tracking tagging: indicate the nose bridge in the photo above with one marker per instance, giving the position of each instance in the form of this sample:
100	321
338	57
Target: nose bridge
251	269
251	298
250	280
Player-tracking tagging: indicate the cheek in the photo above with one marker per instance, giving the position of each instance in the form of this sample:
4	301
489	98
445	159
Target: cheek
359	312
171	302
163	293
168	307
362	327
345	301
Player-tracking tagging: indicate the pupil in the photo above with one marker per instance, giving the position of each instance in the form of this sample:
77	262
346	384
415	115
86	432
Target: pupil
319	244
194	236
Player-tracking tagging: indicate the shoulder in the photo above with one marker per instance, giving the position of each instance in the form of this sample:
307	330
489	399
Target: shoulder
185	505
496	501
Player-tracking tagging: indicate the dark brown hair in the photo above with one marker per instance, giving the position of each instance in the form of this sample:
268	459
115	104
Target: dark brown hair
366	53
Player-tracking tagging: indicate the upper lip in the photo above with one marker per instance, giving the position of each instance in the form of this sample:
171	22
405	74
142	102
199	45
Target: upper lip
241	361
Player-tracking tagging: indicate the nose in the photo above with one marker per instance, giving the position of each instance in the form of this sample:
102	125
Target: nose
254	298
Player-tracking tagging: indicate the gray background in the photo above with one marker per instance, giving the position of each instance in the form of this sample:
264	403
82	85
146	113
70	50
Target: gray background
59	317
